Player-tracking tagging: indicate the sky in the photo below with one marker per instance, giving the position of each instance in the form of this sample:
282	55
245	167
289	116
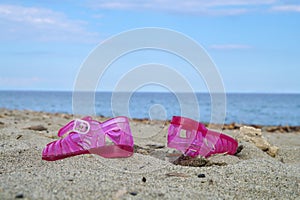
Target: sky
253	43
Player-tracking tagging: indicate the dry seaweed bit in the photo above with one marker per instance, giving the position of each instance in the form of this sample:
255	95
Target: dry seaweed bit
177	174
19	136
201	175
190	161
37	128
155	146
144	179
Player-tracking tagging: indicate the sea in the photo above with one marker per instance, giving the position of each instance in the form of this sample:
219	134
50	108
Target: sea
242	108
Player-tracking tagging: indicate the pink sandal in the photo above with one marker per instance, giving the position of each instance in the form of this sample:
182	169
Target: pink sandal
193	138
87	136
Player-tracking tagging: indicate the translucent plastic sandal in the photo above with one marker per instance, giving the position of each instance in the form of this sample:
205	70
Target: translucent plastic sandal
87	136
193	138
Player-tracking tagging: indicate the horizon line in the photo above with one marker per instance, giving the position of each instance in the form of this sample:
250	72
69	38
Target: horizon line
154	91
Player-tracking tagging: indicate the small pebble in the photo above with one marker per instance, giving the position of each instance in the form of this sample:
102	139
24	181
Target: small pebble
133	193
19	196
239	149
201	175
144	179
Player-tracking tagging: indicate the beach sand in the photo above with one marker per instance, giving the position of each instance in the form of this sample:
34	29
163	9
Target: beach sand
148	174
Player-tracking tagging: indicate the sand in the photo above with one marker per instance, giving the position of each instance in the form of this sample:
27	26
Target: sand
148	174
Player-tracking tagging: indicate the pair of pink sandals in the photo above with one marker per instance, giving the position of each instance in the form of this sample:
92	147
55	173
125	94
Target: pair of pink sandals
113	139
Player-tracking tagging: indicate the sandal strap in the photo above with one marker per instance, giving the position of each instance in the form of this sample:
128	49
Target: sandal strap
82	126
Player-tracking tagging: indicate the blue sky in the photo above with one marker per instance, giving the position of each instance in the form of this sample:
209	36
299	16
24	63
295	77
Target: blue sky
254	44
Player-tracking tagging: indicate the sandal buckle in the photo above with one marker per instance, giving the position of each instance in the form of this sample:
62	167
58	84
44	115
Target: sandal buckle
81	126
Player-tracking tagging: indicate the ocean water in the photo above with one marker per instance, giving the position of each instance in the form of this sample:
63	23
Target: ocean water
260	109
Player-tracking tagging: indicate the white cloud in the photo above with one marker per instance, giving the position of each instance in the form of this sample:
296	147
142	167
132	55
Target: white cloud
286	8
18	22
19	81
229	2
195	7
229	46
